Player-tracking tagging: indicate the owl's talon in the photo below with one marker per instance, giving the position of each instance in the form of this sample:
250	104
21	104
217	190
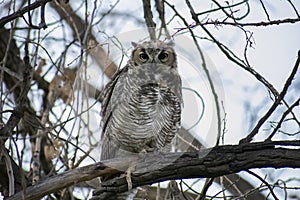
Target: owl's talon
128	177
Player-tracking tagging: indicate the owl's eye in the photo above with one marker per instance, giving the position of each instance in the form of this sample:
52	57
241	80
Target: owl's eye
143	57
163	56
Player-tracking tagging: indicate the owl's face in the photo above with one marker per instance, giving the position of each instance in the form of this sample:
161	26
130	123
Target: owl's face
154	52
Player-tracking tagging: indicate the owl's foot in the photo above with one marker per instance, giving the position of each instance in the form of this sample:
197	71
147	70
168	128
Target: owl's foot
128	176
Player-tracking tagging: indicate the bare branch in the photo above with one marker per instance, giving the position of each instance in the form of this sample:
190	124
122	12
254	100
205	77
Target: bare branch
16	172
9	169
289	110
294	8
19	110
238	24
160	7
265	9
214	162
96	51
238	62
205	68
21	12
276	102
149	19
265	182
210	163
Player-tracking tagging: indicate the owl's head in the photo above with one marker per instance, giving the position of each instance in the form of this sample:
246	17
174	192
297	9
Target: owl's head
154	52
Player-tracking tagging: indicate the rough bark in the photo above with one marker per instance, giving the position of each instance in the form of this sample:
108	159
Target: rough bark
153	168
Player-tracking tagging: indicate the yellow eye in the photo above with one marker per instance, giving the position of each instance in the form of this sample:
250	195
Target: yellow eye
143	56
164	56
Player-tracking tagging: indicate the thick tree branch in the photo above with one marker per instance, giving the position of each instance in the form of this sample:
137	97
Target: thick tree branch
153	168
209	163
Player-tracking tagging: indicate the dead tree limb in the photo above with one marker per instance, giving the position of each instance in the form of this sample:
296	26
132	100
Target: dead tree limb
153	168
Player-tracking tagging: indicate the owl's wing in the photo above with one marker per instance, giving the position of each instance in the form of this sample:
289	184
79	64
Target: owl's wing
106	93
108	148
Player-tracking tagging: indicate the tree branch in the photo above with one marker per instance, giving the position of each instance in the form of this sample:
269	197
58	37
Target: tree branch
289	110
149	19
22	100
209	163
276	102
67	13
153	168
22	11
227	53
262	23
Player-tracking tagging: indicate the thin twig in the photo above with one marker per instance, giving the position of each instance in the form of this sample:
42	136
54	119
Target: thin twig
3	68
239	62
205	188
294	8
21	12
221	7
256	24
9	170
205	68
265	182
275	104
265	9
18	111
88	29
289	110
230	15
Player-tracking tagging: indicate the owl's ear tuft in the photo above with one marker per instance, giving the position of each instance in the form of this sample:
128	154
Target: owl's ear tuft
171	43
134	44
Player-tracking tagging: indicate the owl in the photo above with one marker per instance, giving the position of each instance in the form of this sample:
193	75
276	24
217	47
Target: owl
141	105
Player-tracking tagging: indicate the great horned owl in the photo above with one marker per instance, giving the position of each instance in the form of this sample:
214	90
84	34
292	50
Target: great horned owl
141	105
